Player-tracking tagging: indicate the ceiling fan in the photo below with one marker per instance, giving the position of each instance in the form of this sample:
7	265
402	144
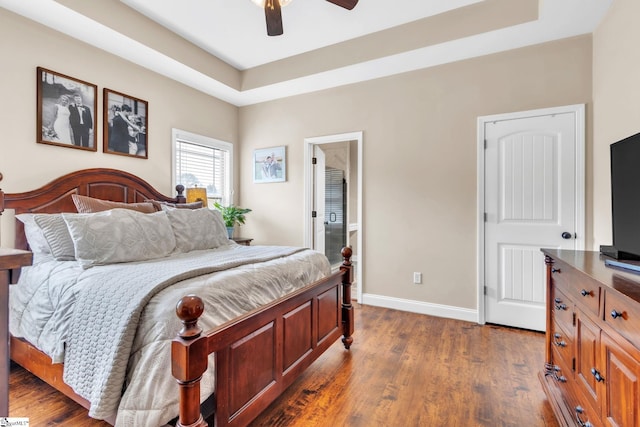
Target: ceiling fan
274	16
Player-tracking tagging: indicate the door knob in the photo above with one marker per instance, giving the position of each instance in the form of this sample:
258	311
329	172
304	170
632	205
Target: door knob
566	235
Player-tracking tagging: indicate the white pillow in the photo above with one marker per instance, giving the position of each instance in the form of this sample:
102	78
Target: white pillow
48	234
197	228
35	237
119	235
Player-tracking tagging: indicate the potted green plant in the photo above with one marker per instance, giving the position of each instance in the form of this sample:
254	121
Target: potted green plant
231	215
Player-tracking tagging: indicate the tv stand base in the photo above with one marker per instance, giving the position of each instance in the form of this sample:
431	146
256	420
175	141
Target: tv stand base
612	252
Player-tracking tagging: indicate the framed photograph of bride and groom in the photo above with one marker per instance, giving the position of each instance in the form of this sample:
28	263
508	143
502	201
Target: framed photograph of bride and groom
125	124
66	111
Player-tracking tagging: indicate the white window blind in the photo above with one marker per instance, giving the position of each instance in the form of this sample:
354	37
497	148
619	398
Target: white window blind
203	162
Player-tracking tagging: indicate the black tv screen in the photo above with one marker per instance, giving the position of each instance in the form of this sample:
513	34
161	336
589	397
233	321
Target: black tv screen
625	196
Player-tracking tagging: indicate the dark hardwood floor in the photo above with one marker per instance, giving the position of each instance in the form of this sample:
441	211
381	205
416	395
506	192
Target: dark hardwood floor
403	369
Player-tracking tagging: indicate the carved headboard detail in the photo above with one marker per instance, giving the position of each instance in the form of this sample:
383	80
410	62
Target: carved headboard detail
105	184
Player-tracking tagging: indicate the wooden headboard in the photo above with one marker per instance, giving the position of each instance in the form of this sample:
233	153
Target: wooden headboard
105	184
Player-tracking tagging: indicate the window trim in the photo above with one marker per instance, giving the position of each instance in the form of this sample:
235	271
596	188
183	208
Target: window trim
182	135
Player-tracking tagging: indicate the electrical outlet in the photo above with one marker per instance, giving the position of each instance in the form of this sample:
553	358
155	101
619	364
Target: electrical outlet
417	278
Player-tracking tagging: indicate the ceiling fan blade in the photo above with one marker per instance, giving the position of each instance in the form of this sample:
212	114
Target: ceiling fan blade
347	4
274	17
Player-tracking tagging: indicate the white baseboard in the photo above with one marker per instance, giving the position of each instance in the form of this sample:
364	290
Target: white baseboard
421	307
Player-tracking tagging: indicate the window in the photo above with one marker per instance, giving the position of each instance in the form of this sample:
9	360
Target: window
204	162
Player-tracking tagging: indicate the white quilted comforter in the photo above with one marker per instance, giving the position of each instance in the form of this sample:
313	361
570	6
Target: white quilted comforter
49	309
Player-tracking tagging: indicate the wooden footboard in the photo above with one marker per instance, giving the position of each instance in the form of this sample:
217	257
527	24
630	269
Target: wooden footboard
258	355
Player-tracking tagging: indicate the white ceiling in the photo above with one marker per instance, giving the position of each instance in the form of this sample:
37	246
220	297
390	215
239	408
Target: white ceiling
234	31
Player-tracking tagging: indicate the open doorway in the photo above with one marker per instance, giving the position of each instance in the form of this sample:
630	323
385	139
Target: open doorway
333	182
333	198
335	212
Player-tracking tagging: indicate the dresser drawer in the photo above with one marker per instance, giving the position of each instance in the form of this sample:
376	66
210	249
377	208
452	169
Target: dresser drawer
562	308
581	289
578	406
584	413
623	315
563	343
562	373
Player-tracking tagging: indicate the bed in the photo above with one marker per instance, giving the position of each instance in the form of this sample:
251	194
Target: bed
230	361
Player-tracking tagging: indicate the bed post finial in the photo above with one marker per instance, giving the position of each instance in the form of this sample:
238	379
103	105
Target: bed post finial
189	360
180	198
189	309
347	308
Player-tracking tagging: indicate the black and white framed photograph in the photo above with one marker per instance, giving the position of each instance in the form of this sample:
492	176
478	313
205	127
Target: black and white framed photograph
66	111
270	165
125	125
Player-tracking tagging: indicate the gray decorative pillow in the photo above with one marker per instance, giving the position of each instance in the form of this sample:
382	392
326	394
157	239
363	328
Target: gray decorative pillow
119	235
57	235
196	229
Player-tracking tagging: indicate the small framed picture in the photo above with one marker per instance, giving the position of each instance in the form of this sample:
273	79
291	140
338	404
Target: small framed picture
270	165
125	125
66	111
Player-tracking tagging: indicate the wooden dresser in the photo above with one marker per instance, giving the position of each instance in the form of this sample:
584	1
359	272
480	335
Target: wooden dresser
592	374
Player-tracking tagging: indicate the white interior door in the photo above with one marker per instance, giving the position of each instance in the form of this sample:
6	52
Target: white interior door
530	202
319	199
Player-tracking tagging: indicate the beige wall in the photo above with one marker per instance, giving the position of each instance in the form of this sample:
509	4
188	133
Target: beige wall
616	95
25	45
419	204
419	143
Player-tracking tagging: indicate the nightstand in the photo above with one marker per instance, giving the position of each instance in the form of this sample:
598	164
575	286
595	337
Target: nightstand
10	261
242	240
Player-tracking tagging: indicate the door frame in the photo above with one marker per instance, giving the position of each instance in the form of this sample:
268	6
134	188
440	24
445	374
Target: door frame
579	112
309	143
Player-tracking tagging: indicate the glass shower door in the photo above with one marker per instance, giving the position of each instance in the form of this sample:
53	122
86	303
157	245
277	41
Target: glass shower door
335	217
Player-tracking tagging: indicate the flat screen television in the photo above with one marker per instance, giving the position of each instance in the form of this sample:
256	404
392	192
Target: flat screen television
625	198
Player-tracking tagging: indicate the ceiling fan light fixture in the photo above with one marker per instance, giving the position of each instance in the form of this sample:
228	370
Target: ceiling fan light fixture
261	2
273	14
